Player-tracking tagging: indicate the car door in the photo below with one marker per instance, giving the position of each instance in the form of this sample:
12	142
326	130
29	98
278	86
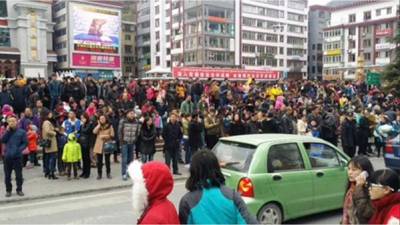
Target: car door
288	179
329	176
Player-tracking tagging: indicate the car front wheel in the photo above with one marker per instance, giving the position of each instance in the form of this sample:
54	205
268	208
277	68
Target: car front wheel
270	214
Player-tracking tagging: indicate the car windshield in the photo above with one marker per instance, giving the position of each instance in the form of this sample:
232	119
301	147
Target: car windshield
234	156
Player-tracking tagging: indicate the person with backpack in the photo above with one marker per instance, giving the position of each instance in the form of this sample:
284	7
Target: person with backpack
128	133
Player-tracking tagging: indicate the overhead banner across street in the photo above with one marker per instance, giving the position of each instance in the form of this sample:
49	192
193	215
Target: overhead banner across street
216	73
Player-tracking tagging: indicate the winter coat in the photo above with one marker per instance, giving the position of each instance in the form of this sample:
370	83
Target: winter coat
72	150
382	211
6	98
49	133
55	88
104	134
348	133
172	134
148	140
25	121
287	125
20	95
195	135
187	108
212	126
86	135
253	127
363	132
32	141
15	142
128	131
198	207
152	183
269	126
237	128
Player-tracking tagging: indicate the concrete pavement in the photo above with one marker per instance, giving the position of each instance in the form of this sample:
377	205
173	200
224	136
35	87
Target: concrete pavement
36	186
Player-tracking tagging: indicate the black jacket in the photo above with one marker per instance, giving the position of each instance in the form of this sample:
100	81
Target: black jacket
237	129
86	136
253	127
269	126
148	140
348	133
195	135
172	135
287	125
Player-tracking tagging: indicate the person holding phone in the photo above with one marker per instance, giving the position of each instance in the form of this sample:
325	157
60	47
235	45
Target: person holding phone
381	204
359	166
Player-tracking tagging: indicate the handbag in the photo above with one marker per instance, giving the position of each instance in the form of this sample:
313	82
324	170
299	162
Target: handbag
45	143
109	147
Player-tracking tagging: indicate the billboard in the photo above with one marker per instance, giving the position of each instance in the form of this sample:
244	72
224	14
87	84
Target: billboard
94	60
95	31
215	73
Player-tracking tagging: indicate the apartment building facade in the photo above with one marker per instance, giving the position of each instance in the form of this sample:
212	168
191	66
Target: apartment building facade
359	37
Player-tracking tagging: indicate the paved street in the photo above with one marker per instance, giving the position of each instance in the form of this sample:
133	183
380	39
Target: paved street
108	207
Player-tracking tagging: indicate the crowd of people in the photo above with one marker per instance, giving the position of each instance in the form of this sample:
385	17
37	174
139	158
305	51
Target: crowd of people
76	124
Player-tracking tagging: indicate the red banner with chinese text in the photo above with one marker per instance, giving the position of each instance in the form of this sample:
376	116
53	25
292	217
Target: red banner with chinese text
216	73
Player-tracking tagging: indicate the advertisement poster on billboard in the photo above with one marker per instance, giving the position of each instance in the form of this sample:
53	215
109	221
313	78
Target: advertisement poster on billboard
95	29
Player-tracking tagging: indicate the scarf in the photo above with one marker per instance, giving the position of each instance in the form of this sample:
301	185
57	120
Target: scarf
348	201
383	206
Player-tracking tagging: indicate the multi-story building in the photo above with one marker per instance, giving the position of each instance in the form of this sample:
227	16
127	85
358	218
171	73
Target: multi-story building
274	36
128	37
26	33
143	37
88	37
358	37
248	34
318	19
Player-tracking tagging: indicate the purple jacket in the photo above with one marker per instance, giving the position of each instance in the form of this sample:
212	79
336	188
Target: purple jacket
25	121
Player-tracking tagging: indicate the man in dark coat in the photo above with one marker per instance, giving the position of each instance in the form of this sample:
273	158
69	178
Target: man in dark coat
348	134
195	128
172	135
16	141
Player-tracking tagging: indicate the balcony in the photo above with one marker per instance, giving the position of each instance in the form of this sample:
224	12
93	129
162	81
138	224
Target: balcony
333	52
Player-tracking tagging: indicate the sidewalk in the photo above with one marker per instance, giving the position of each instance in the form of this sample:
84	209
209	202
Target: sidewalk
36	186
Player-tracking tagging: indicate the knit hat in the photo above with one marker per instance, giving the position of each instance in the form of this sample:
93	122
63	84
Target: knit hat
7	110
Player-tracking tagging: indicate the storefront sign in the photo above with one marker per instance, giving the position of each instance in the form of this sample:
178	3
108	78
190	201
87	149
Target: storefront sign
385	46
201	72
96	61
333	52
384	32
373	78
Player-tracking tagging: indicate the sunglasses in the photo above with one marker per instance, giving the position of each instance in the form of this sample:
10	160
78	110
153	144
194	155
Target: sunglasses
372	185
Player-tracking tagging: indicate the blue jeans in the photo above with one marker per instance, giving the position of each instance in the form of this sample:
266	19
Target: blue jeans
127	156
147	158
50	162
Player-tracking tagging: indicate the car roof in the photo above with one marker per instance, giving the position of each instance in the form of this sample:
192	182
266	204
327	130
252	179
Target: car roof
258	139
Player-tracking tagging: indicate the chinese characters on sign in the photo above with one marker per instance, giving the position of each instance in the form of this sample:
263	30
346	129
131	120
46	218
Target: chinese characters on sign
89	60
194	72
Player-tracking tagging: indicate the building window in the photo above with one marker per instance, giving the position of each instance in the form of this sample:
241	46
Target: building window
281	62
158	60
378	12
352	31
313	57
157	35
157	9
319	47
352	57
352	18
127	37
313	47
168	63
313	69
387	54
281	50
157	23
62	58
389	10
367	56
352	44
168	51
60	32
5	37
321	14
367	43
367	15
128	69
128	49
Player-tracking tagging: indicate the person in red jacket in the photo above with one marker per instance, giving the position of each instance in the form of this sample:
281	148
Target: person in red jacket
152	183
382	205
32	144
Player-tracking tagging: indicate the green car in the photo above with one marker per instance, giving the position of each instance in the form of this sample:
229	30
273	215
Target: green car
282	177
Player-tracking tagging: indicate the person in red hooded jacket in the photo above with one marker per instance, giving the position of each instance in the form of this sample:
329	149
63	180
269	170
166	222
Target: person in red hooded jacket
152	183
382	204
